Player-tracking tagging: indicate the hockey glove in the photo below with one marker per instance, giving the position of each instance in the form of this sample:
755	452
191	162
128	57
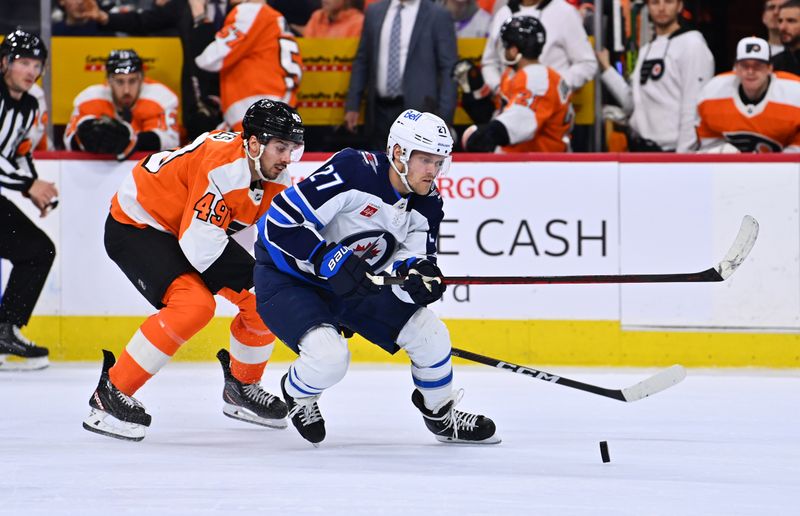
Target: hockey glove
106	135
470	80
346	273
423	281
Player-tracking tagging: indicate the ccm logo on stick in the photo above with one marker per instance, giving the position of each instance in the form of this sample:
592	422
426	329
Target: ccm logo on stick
530	372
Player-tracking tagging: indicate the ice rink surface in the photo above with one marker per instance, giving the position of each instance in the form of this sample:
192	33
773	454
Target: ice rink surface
719	443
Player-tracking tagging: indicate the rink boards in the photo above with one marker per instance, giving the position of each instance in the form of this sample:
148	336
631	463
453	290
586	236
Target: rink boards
591	214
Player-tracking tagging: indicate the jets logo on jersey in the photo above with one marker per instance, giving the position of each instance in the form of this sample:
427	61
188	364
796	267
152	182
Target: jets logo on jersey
375	247
369	210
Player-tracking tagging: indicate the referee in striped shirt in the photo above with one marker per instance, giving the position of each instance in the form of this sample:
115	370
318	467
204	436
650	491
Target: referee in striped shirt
28	248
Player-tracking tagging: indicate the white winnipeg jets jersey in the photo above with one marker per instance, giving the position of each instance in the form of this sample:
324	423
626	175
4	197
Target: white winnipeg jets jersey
350	201
665	86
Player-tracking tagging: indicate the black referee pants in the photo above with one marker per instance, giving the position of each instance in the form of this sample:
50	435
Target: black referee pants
31	253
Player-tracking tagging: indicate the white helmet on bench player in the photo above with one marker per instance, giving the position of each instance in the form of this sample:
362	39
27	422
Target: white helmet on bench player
417	131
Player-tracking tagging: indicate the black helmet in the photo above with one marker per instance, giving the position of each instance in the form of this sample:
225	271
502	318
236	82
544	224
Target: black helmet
272	119
23	44
526	33
123	61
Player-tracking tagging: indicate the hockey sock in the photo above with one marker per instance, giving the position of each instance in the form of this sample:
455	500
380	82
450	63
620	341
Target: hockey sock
251	341
434	382
190	306
427	342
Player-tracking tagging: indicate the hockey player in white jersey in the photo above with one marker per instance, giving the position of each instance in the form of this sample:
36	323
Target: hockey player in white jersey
360	214
665	84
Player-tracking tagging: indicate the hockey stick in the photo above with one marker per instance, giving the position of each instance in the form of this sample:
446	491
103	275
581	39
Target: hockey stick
660	381
745	240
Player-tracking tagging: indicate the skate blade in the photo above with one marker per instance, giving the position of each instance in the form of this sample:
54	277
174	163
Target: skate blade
15	363
242	414
104	423
450	440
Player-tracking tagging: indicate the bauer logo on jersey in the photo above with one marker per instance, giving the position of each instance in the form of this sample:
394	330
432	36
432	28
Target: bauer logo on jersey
651	69
375	247
369	210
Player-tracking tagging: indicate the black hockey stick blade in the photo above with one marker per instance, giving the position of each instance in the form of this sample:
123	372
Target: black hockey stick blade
745	240
660	381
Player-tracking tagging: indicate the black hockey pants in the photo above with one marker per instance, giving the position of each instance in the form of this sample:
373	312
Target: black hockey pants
31	253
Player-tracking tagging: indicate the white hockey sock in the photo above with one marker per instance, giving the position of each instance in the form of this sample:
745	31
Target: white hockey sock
434	382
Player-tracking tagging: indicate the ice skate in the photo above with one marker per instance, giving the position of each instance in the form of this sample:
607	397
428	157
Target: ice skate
249	402
453	426
305	415
114	413
17	353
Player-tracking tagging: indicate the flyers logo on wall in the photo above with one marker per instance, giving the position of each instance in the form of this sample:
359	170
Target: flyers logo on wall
79	62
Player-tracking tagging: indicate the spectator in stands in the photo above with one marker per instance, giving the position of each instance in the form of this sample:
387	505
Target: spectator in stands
770	20
257	57
398	36
567	50
670	72
335	19
470	20
72	20
753	108
789	26
196	22
128	113
535	112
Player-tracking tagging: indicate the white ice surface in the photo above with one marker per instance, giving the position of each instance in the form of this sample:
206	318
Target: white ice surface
719	443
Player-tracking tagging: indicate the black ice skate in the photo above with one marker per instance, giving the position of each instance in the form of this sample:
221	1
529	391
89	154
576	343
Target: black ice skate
114	413
18	353
305	415
248	401
453	426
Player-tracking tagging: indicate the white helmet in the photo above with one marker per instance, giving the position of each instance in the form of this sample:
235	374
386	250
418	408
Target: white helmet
416	131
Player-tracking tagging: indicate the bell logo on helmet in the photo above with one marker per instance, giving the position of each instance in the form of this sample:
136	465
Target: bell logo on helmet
412	115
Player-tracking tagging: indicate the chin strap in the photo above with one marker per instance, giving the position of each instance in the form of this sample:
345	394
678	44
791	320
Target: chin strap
513	62
256	159
403	175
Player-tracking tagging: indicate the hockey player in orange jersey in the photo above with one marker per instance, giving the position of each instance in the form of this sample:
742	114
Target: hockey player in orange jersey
752	109
128	113
169	231
535	111
256	56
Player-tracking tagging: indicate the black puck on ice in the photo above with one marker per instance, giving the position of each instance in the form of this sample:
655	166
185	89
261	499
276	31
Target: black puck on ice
604	451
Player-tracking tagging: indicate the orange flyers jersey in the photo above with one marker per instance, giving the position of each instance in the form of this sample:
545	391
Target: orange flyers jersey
257	57
36	134
155	110
536	109
201	193
772	125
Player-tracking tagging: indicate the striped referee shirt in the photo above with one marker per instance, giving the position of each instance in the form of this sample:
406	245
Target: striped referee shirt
16	119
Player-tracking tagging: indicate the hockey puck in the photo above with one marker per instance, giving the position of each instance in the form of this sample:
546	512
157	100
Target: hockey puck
604	451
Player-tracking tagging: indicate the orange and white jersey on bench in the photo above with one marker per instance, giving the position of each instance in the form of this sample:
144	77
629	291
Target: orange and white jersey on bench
257	57
771	125
155	110
536	109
